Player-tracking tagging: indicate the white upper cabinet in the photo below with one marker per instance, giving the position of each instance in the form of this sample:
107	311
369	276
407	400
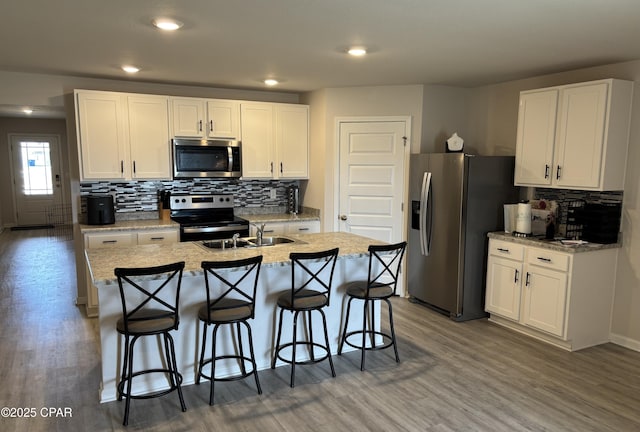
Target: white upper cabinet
574	136
205	118
275	140
101	130
149	137
292	141
122	136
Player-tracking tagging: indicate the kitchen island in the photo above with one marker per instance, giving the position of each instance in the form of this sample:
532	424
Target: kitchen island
274	277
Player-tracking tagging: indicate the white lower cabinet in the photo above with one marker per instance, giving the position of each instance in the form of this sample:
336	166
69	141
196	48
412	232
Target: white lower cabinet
120	239
561	298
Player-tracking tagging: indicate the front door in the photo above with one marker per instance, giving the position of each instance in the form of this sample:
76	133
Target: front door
36	177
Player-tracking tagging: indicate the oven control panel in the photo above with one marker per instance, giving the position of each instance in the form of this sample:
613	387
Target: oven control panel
194	202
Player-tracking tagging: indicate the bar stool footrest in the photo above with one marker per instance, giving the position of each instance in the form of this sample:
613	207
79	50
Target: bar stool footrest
122	388
245	360
313	360
385	337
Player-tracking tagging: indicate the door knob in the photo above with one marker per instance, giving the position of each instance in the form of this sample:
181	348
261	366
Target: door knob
343	217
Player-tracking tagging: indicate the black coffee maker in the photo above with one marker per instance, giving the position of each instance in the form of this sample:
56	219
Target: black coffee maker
100	210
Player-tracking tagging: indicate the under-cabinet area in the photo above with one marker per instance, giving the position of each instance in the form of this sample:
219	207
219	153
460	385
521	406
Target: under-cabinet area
560	294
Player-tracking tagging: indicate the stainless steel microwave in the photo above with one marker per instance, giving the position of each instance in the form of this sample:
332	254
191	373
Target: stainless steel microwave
194	158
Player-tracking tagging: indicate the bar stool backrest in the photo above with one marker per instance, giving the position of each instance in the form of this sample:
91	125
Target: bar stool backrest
384	265
312	273
150	293
230	284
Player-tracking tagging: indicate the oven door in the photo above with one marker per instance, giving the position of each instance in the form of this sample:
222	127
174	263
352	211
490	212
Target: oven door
212	232
206	158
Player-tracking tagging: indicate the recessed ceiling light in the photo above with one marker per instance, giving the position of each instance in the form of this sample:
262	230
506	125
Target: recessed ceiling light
357	51
271	82
130	69
167	24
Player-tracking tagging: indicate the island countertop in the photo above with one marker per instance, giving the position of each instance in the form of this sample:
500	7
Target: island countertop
103	261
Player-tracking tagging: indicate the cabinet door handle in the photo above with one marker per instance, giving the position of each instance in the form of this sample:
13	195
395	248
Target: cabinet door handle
271	167
268	231
280	167
122	167
546	171
558	172
211	125
303	229
515	277
134	167
526	281
109	241
157	238
503	250
548	260
200	126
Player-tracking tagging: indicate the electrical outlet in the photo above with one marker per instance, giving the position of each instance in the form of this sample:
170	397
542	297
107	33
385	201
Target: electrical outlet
272	191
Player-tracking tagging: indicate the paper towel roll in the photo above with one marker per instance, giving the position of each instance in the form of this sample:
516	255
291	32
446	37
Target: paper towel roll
523	220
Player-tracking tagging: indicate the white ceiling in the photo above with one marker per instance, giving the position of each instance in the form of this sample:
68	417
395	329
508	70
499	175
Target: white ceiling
238	43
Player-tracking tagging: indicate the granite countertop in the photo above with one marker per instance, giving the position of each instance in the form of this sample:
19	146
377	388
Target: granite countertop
103	261
141	224
555	245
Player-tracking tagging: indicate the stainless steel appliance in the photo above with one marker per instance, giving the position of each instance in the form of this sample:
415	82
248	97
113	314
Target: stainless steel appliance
456	199
206	158
100	210
206	217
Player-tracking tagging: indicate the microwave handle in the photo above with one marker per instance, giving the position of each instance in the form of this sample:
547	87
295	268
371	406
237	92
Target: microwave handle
230	154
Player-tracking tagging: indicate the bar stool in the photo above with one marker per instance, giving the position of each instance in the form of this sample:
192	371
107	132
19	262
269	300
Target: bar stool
237	281
311	277
150	298
381	283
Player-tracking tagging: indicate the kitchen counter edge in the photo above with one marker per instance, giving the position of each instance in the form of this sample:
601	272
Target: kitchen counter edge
552	245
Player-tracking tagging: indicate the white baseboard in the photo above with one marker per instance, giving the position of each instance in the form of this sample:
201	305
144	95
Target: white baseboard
626	342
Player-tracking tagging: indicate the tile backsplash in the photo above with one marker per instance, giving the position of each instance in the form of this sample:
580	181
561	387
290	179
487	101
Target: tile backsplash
565	197
142	196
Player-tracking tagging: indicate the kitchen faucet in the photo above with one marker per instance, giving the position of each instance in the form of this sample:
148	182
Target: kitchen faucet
235	238
259	233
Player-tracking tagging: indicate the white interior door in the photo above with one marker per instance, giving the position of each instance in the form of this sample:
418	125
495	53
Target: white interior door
36	177
372	175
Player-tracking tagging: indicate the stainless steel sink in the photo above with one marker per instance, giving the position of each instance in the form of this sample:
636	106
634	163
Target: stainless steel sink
269	241
225	244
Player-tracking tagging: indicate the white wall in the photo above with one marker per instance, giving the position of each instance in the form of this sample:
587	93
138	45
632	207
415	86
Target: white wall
327	106
493	121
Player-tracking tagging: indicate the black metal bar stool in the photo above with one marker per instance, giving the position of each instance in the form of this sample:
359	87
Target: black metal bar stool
236	283
311	277
381	283
150	297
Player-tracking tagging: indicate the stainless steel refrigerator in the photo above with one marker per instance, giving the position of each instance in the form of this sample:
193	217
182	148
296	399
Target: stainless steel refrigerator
456	199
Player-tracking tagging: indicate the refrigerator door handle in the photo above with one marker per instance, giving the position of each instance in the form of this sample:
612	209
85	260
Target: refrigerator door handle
425	209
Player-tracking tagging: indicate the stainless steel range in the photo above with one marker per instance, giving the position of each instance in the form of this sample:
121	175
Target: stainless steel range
206	217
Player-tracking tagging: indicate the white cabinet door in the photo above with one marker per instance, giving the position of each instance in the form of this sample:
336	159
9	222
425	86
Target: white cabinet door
149	137
101	126
158	237
303	227
257	140
292	141
535	139
223	119
504	287
580	136
188	117
545	299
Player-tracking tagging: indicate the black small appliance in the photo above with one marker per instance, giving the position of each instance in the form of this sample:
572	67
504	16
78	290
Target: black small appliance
100	210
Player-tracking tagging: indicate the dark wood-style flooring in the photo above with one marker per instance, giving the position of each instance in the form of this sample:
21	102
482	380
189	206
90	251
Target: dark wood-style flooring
471	376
